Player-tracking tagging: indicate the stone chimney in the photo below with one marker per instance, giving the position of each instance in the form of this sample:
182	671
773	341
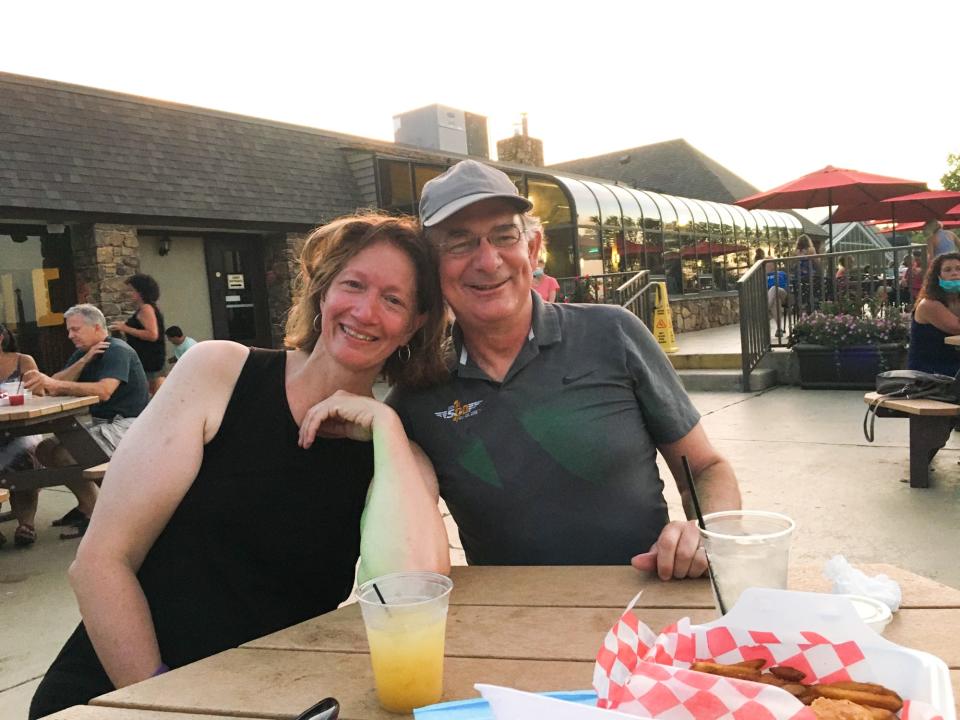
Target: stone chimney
521	148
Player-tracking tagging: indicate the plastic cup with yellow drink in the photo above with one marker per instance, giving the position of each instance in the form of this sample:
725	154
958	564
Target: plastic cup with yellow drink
406	618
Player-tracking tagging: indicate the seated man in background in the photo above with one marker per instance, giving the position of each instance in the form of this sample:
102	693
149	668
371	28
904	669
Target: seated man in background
545	434
103	366
181	343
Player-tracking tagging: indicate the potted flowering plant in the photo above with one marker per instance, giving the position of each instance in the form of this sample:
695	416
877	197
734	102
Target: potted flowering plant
836	348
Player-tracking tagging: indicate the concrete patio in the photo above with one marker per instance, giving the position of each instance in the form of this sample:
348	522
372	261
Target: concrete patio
798	452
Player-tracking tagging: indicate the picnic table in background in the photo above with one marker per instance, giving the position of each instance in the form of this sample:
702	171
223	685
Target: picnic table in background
57	415
532	628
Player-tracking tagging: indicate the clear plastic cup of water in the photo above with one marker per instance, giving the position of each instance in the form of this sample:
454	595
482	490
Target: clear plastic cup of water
746	548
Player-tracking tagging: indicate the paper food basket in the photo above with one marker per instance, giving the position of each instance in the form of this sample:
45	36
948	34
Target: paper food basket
762	622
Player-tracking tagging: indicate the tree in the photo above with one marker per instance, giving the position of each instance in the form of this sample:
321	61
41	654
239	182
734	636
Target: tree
951	181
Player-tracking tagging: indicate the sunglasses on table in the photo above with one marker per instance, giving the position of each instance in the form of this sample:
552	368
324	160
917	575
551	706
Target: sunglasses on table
326	709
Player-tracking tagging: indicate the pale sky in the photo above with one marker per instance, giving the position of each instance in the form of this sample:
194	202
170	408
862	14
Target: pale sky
771	90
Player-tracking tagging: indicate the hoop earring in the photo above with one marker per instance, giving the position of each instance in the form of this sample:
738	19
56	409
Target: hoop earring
316	322
403	356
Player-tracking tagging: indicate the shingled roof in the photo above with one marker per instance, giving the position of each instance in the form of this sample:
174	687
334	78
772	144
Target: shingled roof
72	148
674	167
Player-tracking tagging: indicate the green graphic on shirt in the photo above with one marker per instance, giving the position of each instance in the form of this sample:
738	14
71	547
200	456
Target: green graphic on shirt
477	461
550	427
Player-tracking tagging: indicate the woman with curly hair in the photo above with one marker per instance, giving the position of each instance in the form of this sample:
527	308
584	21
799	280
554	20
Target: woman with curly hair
144	329
937	315
175	565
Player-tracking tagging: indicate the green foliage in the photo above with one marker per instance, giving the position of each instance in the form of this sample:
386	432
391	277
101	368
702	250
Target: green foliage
951	181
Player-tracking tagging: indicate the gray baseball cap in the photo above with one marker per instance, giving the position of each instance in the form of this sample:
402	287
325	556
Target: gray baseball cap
465	183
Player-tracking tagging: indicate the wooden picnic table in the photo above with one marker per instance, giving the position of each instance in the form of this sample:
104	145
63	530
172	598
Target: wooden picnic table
931	422
533	628
57	415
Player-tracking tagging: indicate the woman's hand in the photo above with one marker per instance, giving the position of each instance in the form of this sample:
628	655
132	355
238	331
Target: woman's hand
342	415
119	326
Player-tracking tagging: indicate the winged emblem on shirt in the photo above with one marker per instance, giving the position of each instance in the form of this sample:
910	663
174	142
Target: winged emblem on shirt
458	411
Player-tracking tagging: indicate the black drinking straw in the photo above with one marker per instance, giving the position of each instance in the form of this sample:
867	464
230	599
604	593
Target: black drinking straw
703	526
383	600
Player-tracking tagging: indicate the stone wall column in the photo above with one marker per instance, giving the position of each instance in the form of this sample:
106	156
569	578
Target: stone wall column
104	256
281	259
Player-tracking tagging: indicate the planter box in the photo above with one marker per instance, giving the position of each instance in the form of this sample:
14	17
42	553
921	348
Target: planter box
852	368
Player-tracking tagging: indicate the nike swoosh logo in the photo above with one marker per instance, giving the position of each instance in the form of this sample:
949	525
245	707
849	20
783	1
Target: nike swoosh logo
567	379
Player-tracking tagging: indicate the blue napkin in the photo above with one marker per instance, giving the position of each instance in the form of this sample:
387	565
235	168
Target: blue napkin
479	709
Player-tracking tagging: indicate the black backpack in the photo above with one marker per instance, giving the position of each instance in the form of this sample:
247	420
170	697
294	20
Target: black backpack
910	385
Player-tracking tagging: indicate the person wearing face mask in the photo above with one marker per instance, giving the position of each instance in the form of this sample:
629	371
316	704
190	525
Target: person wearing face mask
937	315
544	285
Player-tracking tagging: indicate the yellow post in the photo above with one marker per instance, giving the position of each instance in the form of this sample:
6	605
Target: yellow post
663	321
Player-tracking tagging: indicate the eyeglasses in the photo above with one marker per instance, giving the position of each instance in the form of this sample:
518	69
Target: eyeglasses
326	709
461	243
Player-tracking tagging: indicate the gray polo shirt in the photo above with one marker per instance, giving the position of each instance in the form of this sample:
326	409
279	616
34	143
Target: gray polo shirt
556	464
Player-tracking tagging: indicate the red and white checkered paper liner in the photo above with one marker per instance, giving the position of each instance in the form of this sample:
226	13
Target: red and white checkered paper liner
641	673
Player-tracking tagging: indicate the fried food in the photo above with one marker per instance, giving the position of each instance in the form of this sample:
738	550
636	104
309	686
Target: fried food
826	709
740	672
842	700
870	694
787	673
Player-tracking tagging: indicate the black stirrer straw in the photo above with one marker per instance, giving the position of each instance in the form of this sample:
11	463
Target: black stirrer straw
703	526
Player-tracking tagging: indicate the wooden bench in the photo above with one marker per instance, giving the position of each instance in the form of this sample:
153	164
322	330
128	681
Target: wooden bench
930	424
96	472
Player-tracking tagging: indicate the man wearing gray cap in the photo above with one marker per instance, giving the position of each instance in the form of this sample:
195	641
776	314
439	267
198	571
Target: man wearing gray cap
546	435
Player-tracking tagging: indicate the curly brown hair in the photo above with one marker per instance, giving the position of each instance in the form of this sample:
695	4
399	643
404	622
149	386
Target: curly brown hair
328	250
931	281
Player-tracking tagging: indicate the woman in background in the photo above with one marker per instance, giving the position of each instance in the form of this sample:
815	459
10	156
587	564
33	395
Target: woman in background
17	453
144	329
937	315
544	285
939	241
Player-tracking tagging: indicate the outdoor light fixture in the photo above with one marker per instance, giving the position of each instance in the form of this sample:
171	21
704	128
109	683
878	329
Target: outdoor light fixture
56	228
163	249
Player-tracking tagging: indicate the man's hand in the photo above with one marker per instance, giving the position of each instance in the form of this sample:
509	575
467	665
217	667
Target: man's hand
676	554
38	383
95	351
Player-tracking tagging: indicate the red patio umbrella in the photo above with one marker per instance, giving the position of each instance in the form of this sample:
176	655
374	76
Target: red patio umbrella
910	226
922	206
831	186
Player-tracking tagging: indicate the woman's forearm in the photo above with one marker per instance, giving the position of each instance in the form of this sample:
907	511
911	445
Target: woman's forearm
117	618
401	526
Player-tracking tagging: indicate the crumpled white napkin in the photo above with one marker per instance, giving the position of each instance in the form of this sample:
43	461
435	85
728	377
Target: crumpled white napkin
848	580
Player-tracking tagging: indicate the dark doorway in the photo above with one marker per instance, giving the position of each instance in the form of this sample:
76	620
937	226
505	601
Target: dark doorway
238	297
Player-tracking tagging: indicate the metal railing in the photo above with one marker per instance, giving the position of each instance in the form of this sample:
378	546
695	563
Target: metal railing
776	292
632	290
638	296
593	288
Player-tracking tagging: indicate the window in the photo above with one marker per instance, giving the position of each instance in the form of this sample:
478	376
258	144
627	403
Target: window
36	286
396	187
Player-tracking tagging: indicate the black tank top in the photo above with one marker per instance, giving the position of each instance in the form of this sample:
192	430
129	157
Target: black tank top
267	536
152	353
